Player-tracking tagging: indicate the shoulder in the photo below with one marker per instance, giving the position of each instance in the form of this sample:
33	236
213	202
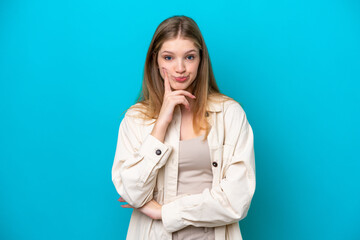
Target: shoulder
136	114
135	110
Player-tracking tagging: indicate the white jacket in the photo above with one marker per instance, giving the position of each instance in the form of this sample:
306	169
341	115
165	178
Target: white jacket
141	172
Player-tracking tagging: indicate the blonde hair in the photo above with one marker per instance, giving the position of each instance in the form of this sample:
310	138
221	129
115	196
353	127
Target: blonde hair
204	86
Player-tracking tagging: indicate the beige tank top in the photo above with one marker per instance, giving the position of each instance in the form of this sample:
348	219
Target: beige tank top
195	175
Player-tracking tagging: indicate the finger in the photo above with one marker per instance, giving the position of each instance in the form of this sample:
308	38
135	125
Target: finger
126	206
121	199
186	104
183	92
182	100
166	81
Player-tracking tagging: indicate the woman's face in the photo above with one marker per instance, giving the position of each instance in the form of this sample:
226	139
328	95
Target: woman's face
180	58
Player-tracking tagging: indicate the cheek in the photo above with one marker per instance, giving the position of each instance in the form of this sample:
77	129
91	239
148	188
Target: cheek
163	64
194	68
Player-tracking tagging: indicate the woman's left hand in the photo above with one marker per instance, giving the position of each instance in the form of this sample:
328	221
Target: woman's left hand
151	209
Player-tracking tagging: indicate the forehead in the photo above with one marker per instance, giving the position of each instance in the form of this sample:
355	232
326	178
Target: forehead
178	45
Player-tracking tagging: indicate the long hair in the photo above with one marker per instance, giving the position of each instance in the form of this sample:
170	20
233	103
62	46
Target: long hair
204	86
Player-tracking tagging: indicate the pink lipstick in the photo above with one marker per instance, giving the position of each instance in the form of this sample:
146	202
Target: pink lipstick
181	79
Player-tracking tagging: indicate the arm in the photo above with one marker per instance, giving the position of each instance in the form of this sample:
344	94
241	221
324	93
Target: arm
230	200
137	162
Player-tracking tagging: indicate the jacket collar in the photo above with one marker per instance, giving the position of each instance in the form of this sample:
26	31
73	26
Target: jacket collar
214	106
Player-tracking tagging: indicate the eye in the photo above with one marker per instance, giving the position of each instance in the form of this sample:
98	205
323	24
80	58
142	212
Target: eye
191	57
167	58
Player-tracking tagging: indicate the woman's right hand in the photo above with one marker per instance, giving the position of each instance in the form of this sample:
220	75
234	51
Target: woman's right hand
170	100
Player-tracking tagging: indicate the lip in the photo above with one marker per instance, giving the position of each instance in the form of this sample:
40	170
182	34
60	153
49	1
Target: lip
181	79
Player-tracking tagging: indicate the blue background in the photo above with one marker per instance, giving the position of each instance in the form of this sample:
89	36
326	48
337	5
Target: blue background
69	69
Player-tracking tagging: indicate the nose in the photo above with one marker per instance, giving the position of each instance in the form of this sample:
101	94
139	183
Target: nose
180	66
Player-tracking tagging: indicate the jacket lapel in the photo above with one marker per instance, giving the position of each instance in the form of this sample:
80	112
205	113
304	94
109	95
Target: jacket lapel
216	138
171	168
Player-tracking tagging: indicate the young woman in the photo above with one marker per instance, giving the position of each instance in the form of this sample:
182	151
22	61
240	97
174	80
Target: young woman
184	159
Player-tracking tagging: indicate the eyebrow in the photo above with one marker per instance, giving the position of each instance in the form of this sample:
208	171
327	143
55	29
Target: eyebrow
192	50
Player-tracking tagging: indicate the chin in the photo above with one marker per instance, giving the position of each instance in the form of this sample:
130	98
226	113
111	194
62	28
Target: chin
179	86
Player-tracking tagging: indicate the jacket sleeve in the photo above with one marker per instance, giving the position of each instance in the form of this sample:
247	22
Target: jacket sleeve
229	201
137	161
